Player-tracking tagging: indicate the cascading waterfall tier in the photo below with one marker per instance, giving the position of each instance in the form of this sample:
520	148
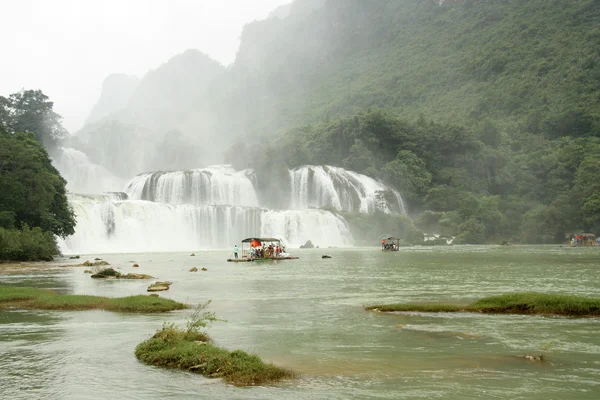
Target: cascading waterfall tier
220	185
82	175
108	225
332	187
218	206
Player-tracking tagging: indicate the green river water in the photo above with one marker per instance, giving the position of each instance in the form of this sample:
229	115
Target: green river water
306	315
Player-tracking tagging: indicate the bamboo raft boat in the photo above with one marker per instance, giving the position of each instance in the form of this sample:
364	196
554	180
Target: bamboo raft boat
268	256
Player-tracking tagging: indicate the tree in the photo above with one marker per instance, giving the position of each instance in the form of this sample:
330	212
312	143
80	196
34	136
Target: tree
32	111
32	192
409	174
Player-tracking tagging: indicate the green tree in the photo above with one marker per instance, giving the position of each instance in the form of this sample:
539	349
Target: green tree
32	111
32	192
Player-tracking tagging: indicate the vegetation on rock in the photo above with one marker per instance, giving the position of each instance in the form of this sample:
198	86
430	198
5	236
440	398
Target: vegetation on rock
40	299
191	349
513	303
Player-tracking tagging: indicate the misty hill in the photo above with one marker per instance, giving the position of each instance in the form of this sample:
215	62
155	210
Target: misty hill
160	122
116	92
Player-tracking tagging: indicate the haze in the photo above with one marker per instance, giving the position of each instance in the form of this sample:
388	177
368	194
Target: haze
70	46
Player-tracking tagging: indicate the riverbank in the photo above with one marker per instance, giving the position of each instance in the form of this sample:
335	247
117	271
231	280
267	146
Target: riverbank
512	303
193	351
40	299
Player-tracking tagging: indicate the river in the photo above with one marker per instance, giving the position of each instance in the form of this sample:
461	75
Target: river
306	315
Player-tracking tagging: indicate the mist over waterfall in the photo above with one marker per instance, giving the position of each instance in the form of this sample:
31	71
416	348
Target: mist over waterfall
216	207
82	175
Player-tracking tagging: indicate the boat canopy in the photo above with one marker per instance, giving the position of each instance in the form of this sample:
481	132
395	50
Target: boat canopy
250	240
392	238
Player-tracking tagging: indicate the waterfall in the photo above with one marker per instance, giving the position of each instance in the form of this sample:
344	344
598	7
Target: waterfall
106	225
337	188
216	207
82	175
220	185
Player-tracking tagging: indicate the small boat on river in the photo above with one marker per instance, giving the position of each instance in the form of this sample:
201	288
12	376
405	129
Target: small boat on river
262	250
390	244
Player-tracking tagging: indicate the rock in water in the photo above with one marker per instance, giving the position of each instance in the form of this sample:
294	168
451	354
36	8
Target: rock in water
325	256
136	266
192	255
204	269
159	286
194	269
308	245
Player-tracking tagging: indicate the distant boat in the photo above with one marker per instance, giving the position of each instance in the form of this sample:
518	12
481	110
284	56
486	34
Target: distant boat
265	249
390	244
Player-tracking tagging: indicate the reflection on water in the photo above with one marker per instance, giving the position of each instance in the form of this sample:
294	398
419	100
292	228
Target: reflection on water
306	315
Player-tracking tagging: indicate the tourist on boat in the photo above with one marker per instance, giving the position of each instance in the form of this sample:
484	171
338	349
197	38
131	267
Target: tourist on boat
252	252
277	251
382	244
235	251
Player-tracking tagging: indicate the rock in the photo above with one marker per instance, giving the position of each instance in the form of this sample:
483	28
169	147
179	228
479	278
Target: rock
192	255
136	276
135	266
98	276
74	258
204	269
97	259
533	358
87	263
400	326
153	295
307	245
87	271
100	263
199	366
325	256
159	286
194	269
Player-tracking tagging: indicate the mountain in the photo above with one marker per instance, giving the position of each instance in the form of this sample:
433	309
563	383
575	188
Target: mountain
487	113
160	123
116	91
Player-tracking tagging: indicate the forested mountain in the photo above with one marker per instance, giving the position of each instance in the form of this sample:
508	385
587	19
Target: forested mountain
485	114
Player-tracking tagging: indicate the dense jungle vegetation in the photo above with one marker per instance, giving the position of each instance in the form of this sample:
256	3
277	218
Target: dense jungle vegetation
484	114
33	201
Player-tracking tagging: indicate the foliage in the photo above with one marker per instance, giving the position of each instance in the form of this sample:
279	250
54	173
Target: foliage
32	111
513	303
32	194
27	244
191	349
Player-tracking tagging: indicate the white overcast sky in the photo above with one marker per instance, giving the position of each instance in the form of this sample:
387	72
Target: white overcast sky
67	47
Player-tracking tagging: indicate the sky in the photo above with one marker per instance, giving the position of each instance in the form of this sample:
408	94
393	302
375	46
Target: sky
67	47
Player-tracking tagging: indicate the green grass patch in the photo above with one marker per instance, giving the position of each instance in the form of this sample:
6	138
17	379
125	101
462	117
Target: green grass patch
40	299
193	351
512	303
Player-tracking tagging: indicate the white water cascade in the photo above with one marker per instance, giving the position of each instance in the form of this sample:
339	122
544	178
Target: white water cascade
82	175
216	207
326	186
